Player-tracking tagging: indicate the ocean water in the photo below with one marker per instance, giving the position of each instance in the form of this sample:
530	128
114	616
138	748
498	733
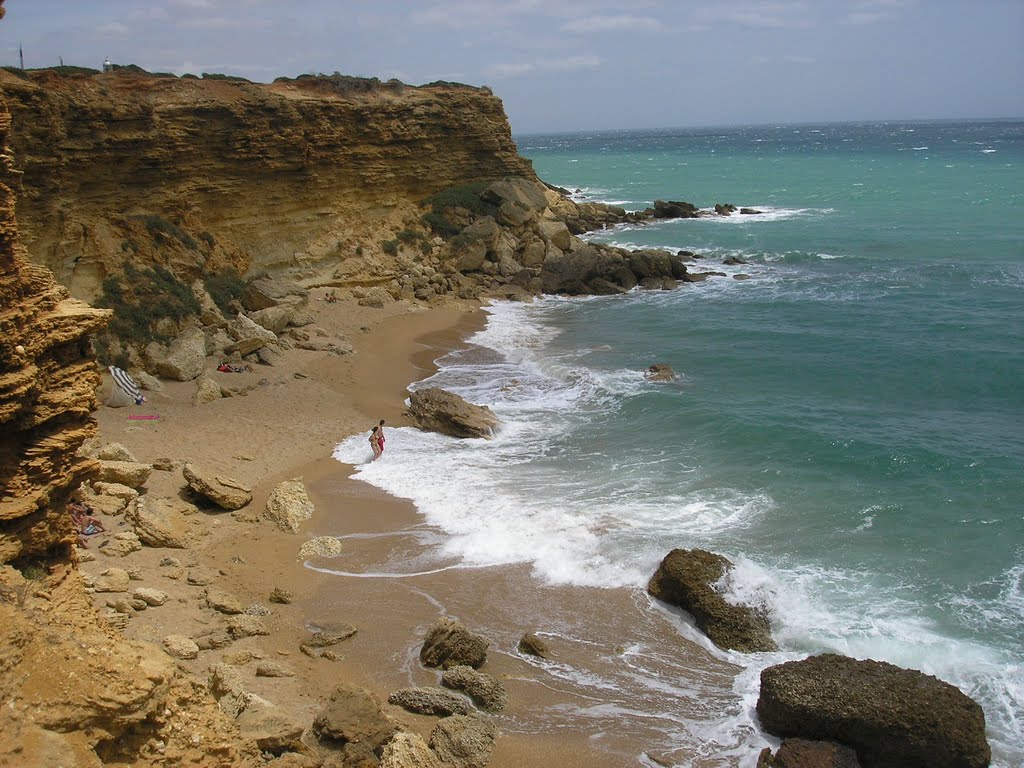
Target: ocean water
847	425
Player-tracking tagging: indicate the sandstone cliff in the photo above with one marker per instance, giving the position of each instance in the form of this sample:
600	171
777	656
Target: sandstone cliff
296	175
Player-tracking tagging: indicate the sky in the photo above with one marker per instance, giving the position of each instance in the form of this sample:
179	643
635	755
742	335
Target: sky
565	65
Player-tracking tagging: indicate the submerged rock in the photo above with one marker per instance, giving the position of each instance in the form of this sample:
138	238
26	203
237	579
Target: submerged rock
687	579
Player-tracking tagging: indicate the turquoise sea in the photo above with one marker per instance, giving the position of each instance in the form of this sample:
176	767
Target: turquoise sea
847	426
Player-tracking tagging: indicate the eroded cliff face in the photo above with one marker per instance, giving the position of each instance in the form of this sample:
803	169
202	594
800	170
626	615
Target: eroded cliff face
299	175
48	381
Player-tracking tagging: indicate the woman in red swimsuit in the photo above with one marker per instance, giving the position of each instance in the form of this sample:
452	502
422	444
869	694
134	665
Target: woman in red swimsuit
380	437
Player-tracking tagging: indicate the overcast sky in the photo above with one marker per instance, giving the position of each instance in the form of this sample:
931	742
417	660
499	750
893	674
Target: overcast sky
562	65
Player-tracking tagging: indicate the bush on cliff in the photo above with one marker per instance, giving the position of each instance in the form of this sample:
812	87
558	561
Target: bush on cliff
465	197
140	299
224	287
159	227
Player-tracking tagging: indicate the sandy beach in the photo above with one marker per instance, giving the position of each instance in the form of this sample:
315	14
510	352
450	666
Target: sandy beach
285	428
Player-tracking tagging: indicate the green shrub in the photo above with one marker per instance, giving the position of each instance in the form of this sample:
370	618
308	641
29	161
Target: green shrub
426	246
224	287
140	299
208	238
439	224
230	78
408	236
390	247
359	250
465	196
17	72
157	225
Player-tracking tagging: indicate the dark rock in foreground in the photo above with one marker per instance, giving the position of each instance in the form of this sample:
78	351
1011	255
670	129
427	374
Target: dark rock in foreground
800	753
437	410
889	715
685	579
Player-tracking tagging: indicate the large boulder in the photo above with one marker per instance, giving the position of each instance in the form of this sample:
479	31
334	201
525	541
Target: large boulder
353	714
274	319
273	729
438	410
523	192
464	741
182	360
161	522
556	233
224	492
889	715
289	505
576	272
687	579
132	474
264	292
449	644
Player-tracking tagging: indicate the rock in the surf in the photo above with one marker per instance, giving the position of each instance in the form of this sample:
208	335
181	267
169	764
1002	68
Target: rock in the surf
687	579
448	644
437	410
889	715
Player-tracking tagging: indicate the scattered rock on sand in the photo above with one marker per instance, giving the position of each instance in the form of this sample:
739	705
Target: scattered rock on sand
289	505
408	750
112	580
223	602
130	473
247	626
225	492
161	522
274	730
430	701
353	714
322	546
486	691
465	741
152	597
181	647
448	644
273	669
207	391
122	544
115	489
115	452
281	595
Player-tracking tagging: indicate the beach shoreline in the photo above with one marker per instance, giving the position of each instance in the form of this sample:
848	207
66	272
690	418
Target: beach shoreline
285	429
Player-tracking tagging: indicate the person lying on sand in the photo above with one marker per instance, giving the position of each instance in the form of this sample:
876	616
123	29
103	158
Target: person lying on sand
86	524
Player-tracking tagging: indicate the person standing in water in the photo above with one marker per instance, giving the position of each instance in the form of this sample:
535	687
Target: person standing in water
380	437
375	444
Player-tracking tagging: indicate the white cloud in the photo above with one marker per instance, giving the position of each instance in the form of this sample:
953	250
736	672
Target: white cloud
778	15
568	64
113	29
612	24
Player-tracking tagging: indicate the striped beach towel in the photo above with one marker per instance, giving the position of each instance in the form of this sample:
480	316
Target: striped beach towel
127	384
